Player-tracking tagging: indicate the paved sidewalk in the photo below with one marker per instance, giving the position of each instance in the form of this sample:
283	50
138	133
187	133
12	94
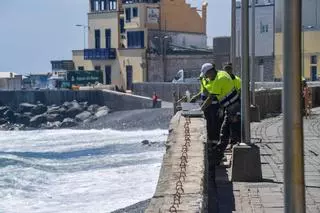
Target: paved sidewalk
267	196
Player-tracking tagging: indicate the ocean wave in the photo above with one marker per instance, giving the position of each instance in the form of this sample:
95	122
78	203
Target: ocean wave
76	170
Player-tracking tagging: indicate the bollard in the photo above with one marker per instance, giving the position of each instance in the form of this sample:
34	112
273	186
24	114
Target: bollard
255	113
246	163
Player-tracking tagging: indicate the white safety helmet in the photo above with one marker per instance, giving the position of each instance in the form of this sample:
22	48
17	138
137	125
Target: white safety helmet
205	68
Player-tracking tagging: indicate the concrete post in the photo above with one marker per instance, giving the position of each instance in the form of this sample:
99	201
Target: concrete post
246	162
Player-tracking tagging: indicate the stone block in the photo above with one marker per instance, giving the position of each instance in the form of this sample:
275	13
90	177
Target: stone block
246	163
255	113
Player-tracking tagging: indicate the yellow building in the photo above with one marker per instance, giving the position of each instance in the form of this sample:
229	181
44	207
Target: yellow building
310	55
120	32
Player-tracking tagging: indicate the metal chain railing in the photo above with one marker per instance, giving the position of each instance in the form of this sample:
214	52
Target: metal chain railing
182	167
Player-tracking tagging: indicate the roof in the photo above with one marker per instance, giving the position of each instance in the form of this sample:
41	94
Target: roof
6	74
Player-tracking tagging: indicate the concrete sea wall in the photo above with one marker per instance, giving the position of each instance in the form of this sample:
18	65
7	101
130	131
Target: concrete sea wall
193	186
114	100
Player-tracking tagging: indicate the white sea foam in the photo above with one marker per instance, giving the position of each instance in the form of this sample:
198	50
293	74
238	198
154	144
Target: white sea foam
77	170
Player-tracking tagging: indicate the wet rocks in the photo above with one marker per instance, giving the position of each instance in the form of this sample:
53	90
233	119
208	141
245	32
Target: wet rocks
39	109
83	116
37	120
145	142
67	115
68	122
102	111
22	119
26	107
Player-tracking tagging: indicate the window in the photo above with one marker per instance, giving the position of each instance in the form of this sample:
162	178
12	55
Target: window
122	30
96	6
112	4
97	39
97	68
313	74
313	59
135	12
129	71
81	68
103	6
135	39
108	38
128	14
264	28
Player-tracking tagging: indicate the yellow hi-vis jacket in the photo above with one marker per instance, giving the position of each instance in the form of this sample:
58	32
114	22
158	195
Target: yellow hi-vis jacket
223	88
236	81
203	90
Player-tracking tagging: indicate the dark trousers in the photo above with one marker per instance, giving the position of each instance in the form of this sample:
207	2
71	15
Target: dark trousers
213	133
230	129
213	122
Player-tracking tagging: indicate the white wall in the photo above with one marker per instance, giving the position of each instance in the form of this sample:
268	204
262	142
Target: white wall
310	13
264	40
188	39
10	83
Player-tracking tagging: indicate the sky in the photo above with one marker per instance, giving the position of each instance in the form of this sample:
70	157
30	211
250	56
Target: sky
34	32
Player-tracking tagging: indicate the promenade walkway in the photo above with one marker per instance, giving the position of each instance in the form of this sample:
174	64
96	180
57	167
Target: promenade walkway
268	196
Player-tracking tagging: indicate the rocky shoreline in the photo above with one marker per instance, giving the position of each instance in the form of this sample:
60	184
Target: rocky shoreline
39	116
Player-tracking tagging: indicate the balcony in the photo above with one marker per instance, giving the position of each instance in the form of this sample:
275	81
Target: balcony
139	1
100	54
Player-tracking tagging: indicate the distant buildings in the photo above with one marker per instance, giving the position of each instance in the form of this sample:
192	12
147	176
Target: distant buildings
143	40
310	39
36	81
10	81
264	38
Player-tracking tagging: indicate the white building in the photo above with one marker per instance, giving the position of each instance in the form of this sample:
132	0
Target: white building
310	14
264	26
264	37
10	81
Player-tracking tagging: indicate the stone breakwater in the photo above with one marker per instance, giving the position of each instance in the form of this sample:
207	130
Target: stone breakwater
34	116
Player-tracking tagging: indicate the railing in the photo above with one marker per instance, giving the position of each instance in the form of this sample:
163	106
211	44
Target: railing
139	1
100	54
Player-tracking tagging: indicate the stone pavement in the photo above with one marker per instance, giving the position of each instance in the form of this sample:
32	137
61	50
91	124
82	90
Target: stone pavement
267	196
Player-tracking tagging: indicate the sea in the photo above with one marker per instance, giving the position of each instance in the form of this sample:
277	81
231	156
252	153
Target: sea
77	171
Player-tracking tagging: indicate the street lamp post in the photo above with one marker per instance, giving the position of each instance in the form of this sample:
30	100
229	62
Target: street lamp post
233	33
253	50
84	33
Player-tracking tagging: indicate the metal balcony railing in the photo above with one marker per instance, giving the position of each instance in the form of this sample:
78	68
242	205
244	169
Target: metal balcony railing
139	1
100	54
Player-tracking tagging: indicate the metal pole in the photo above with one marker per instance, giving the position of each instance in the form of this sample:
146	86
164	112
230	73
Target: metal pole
84	37
253	50
245	92
294	184
233	33
302	62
